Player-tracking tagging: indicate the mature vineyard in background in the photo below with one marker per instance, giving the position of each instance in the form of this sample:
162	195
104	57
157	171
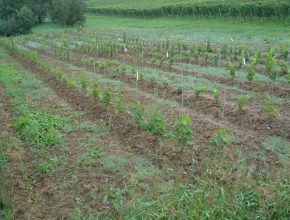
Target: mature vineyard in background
199	8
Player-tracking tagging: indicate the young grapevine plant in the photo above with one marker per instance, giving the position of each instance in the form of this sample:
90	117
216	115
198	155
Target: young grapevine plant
221	138
270	109
243	100
232	69
96	91
156	124
183	131
107	97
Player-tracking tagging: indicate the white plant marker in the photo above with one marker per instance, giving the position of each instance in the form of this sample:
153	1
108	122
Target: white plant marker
97	51
137	79
219	64
182	101
244	61
167	54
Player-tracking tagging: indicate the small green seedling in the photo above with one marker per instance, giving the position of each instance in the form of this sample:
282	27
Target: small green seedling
138	114
96	91
270	109
221	138
120	105
156	123
216	94
107	97
243	100
84	84
199	92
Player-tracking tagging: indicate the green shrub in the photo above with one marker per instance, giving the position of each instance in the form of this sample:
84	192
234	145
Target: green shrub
68	12
156	123
40	129
19	23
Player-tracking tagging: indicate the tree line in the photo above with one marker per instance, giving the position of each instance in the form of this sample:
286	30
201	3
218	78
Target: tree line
19	16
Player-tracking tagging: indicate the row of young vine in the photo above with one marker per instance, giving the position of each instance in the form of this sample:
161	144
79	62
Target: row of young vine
93	52
151	121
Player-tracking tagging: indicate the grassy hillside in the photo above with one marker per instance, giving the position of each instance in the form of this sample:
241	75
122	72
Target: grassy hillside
154	8
215	30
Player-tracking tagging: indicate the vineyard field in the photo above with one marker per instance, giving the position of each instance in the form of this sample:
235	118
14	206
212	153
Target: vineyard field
133	118
199	8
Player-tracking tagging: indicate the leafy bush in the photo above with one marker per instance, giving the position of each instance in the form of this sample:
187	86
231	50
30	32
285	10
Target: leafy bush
19	23
40	129
156	123
68	12
183	131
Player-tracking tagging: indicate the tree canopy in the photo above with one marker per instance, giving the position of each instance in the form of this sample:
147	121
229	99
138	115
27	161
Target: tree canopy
19	16
68	12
